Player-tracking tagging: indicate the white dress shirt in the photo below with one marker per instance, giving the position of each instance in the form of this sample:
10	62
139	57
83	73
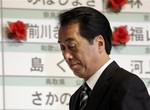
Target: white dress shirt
93	79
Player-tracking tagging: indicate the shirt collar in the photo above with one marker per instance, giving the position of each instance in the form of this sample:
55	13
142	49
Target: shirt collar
93	79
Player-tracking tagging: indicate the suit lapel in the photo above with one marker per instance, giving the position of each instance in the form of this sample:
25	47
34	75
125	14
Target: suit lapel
100	88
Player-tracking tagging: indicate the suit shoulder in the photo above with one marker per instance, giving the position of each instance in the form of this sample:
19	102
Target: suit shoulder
127	79
124	74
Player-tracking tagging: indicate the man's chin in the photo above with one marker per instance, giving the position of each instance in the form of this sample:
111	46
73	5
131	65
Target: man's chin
78	74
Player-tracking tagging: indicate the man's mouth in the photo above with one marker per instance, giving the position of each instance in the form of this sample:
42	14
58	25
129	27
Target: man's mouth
72	66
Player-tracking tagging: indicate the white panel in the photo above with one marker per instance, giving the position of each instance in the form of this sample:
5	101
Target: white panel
21	64
41	98
139	32
1	96
54	5
137	64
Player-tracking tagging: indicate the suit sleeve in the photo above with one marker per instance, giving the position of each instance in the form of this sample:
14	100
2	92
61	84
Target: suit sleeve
131	94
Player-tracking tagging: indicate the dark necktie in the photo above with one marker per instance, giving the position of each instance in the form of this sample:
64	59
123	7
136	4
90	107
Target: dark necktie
84	96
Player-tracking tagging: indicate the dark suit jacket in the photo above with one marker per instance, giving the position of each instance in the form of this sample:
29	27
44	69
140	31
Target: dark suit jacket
116	89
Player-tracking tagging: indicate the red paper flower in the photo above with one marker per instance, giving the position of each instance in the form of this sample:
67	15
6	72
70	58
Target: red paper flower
116	5
17	30
120	36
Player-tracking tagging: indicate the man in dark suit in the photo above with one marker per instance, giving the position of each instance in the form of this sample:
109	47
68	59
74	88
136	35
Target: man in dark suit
85	40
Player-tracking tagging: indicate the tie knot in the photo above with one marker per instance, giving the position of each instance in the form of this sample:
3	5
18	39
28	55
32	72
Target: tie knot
86	88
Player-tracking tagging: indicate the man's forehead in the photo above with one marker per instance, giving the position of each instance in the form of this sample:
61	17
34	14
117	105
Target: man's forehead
68	39
68	33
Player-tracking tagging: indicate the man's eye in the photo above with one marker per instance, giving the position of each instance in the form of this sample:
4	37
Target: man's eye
72	47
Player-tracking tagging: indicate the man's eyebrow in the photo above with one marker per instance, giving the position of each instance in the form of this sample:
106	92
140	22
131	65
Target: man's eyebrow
68	39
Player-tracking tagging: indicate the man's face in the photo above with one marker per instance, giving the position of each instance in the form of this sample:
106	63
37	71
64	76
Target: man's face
79	54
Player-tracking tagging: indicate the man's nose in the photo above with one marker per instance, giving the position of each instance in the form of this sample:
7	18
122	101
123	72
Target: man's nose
67	55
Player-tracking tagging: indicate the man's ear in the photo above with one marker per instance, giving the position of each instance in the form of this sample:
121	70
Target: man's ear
99	40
